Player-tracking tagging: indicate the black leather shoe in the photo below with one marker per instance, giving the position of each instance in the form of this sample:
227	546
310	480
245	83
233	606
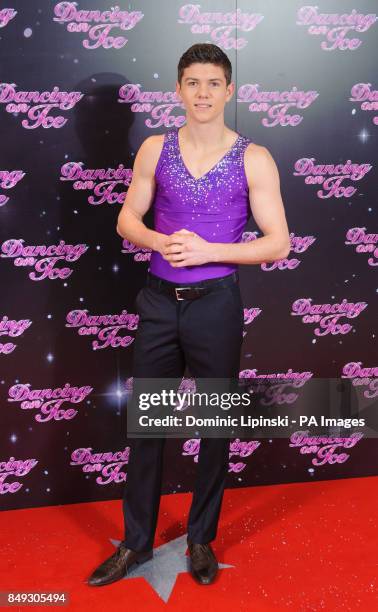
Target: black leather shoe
116	567
203	563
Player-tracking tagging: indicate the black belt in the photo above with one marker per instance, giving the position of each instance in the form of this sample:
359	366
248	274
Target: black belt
191	291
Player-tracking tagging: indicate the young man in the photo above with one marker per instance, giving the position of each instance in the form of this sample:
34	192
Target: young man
204	180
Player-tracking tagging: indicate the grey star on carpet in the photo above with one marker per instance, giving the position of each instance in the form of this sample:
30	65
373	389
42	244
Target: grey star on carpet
161	571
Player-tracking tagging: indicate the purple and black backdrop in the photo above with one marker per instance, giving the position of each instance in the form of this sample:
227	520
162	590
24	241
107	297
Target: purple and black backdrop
82	84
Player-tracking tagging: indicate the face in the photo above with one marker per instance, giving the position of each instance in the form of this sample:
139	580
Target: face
204	91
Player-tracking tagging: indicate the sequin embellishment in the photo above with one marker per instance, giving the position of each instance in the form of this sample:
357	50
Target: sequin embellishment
214	205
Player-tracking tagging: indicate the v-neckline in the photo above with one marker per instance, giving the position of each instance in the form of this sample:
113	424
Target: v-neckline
211	169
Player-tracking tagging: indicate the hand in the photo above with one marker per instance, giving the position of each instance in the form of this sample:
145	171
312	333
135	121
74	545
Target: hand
184	248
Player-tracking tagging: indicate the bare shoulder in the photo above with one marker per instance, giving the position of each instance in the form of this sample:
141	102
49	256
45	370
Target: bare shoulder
259	163
149	152
153	142
256	152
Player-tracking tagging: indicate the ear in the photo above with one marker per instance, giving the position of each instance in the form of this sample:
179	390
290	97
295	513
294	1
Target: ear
230	90
178	91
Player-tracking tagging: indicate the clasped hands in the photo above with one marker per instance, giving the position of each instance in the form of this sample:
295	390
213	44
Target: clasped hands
185	248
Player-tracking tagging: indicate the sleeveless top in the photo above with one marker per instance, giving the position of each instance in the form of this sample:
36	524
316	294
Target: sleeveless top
215	206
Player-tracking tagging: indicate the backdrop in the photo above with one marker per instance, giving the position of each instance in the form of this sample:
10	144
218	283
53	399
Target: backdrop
82	84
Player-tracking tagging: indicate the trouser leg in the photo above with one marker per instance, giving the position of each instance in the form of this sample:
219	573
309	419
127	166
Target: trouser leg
211	331
157	354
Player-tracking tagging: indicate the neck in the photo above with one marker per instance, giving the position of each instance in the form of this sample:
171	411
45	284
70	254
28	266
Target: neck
205	135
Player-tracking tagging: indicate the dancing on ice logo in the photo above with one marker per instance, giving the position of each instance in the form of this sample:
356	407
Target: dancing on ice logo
364	243
12	328
43	258
140	253
6	15
110	464
220	26
8	180
299	244
299	378
362	377
98	180
48	402
97	25
16	468
159	104
328	175
335	27
276	104
362	92
238	448
327	315
275	393
106	328
37	105
250	314
324	447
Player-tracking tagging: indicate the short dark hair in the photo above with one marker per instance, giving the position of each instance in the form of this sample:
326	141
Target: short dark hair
205	53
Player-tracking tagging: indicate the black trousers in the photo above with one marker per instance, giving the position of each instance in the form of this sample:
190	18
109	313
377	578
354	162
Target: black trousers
204	334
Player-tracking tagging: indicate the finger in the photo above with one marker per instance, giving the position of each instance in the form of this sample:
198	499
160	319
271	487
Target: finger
176	243
175	257
176	248
183	233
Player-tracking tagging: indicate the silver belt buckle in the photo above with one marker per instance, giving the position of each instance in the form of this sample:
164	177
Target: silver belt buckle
177	295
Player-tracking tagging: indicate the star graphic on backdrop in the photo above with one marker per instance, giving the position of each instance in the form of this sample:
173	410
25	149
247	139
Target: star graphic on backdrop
161	571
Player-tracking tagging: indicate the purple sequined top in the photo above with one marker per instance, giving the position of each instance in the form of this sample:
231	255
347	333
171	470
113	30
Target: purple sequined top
215	206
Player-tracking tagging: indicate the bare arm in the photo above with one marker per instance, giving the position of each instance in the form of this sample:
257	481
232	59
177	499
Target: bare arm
267	210
139	197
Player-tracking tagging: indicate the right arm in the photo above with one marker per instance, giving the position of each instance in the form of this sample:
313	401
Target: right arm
139	198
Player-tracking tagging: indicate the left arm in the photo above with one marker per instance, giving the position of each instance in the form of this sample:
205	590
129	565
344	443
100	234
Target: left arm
187	248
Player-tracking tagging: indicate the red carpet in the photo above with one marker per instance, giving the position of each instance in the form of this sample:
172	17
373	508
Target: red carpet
303	547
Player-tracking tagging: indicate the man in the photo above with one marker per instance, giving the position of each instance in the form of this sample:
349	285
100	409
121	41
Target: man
203	180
